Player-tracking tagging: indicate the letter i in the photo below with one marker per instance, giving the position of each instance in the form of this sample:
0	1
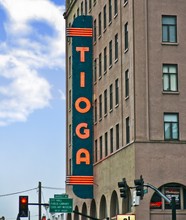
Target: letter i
82	79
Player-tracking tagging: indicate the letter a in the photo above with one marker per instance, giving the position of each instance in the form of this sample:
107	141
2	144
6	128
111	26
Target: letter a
82	156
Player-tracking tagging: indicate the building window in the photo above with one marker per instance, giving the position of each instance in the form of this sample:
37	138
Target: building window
95	111
117	136
69	100
115	7
70	134
95	30
100	65
110	11
70	66
169	190
70	167
116	46
127	130
170	77
78	12
104	17
86	7
95	70
105	102
105	59
110	53
94	2
125	2
116	92
169	29
111	141
90	4
111	97
99	24
126	83
100	147
100	107
171	126
81	8
96	151
126	36
106	144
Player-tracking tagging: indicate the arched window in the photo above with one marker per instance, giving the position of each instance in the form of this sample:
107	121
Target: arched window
114	206
76	216
103	208
170	190
93	211
84	211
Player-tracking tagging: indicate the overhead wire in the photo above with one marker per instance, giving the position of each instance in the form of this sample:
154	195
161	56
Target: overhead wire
10	194
28	190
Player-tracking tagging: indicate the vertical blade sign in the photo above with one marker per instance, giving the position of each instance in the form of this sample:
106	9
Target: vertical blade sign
82	112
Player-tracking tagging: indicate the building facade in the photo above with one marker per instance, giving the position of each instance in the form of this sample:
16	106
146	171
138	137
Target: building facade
139	102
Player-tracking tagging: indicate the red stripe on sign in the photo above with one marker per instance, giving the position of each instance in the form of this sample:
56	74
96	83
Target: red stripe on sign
79	32
80	180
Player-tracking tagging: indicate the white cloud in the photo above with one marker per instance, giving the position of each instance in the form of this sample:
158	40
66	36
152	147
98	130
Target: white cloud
22	56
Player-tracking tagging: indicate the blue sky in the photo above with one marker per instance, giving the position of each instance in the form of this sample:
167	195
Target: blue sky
32	101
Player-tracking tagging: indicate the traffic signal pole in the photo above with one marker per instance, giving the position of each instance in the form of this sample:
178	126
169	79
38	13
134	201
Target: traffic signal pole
39	201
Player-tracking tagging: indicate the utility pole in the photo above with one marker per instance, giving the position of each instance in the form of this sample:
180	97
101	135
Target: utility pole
39	200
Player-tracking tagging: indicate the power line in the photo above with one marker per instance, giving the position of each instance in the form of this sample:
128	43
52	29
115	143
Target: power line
10	194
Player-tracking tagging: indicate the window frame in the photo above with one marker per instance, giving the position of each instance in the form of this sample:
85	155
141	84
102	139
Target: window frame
126	36
127	130
105	60
116	47
170	77
116	92
105	17
171	124
99	25
167	27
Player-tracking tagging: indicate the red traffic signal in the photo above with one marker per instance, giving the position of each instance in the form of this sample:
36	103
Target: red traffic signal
23	206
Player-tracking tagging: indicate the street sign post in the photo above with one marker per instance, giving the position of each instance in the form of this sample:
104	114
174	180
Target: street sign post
64	205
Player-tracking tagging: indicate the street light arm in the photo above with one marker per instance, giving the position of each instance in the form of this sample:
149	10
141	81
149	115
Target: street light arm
160	193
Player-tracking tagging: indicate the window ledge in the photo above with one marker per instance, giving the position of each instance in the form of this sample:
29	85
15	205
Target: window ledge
125	3
111	110
105	72
170	44
110	66
116	60
115	15
116	105
105	115
126	98
170	92
110	22
99	36
126	50
104	30
100	77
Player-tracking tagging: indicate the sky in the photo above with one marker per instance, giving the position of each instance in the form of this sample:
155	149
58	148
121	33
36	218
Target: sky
32	102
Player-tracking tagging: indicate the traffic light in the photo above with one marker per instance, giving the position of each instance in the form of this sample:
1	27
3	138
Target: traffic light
23	206
139	187
123	188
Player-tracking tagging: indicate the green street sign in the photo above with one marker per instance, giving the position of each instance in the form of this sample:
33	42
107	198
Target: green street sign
60	196
64	205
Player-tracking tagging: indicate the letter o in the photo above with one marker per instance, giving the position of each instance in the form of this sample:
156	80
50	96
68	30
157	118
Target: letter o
86	101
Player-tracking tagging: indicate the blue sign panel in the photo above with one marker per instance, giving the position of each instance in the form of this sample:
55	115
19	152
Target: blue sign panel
82	112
